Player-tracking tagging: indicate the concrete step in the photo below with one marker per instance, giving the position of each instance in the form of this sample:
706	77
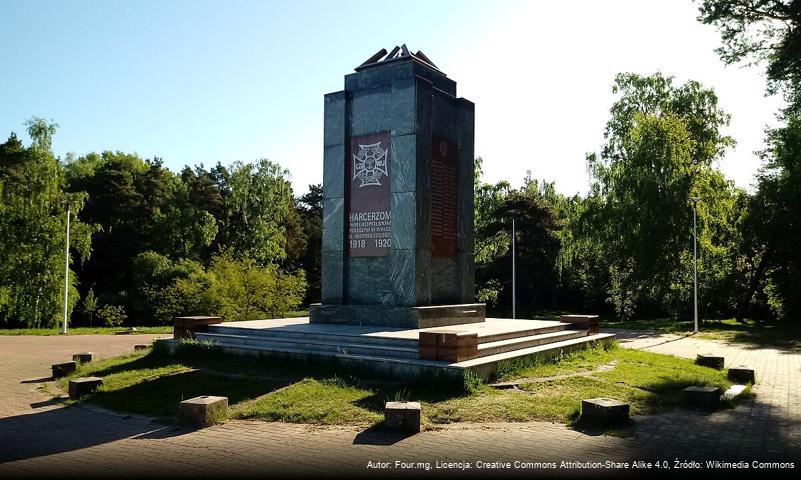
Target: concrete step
513	344
564	344
496	337
352	356
484	366
314	336
275	343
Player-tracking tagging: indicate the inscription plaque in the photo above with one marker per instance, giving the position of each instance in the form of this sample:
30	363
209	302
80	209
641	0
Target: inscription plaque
443	197
369	220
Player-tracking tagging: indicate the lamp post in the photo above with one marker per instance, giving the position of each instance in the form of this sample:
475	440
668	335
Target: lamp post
695	265
514	274
66	271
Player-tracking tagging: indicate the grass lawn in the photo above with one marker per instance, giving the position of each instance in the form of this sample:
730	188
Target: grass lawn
83	330
783	335
280	390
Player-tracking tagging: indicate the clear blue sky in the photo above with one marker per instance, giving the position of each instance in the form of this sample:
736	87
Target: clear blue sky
200	81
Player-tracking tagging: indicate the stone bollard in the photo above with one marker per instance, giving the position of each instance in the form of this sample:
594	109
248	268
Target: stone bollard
85	357
203	411
604	412
709	360
403	416
702	397
63	369
742	374
138	348
82	386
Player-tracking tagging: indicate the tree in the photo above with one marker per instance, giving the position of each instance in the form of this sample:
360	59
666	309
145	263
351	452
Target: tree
124	213
776	220
537	241
162	289
758	31
661	142
258	204
32	231
769	32
90	305
309	208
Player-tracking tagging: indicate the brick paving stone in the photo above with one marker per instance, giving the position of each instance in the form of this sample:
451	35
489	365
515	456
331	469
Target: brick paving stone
44	438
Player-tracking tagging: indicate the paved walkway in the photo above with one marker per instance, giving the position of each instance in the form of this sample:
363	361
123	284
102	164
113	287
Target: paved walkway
39	437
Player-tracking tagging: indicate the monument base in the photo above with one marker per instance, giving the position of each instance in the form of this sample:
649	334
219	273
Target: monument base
398	317
401	353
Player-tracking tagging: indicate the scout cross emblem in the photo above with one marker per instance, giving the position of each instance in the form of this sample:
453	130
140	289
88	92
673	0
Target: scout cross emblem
370	164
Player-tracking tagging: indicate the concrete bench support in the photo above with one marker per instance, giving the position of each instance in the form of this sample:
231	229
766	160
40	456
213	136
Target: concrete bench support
702	397
203	411
188	327
448	345
604	412
742	374
63	369
83	386
402	416
85	357
710	360
582	322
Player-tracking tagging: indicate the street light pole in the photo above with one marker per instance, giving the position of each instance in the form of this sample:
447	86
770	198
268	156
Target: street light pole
514	274
66	271
695	266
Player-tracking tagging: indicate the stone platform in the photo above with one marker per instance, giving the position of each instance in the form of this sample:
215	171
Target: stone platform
398	317
396	351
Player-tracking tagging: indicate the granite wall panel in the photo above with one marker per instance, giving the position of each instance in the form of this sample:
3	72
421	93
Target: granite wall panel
334	171
370	111
333	224
334	118
404	163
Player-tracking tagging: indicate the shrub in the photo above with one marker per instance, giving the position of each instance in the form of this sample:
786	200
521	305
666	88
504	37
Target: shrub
112	315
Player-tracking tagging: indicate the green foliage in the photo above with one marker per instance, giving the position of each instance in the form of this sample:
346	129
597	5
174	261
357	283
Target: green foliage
537	243
310	212
472	381
32	231
163	289
158	233
90	304
758	31
775	214
235	289
112	315
768	32
661	142
247	291
258	203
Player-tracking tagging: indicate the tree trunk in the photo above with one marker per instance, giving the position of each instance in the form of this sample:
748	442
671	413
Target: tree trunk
756	278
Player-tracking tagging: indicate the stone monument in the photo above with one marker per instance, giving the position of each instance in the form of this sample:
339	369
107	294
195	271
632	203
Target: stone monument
398	198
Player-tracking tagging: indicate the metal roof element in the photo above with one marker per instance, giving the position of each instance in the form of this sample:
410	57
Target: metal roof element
398	53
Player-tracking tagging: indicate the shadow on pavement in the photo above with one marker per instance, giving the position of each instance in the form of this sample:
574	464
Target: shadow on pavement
47	403
38	380
377	435
64	430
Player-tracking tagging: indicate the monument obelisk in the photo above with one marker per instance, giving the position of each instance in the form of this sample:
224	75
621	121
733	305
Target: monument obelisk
398	198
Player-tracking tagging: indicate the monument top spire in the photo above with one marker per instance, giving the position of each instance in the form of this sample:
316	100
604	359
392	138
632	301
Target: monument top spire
381	57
